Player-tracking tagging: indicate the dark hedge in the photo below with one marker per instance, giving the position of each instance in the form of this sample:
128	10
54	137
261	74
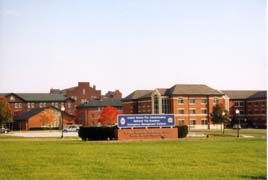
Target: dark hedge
97	133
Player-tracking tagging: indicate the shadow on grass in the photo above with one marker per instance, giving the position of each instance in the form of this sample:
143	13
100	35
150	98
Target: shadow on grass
255	177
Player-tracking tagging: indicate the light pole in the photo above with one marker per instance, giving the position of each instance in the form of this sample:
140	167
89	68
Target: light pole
223	114
62	110
237	120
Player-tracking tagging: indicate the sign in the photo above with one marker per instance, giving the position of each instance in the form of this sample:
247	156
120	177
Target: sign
145	120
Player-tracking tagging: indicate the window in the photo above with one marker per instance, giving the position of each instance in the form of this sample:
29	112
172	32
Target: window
40	105
69	105
192	111
215	100
16	105
241	112
249	103
180	101
192	122
181	122
165	106
239	103
56	105
28	105
32	105
192	101
249	112
156	104
181	111
204	111
84	91
204	101
204	122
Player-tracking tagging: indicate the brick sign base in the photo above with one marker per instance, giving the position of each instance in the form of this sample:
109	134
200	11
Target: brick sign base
149	133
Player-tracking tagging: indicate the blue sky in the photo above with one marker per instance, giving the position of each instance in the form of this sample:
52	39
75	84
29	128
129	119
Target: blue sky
129	45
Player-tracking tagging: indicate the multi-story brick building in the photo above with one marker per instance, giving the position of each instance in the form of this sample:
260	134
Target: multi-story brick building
191	104
252	106
84	93
23	103
89	113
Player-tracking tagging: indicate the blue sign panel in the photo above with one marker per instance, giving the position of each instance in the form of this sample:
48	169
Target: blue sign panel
145	120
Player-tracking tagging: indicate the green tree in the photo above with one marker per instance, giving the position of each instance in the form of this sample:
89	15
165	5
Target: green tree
5	112
219	115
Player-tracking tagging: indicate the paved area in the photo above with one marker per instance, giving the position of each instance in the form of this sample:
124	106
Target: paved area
41	134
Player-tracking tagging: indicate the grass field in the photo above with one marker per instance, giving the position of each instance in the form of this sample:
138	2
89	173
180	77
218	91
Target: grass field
190	158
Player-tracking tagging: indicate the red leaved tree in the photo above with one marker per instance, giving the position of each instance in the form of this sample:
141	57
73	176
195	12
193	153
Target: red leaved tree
108	116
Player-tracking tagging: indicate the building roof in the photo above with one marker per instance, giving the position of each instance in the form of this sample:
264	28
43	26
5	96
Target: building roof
178	89
34	111
139	94
116	102
37	97
29	114
192	89
245	94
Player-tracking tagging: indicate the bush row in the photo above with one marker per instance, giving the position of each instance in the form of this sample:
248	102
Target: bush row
97	133
104	133
44	128
182	131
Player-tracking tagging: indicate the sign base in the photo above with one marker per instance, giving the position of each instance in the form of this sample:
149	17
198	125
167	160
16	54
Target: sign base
146	133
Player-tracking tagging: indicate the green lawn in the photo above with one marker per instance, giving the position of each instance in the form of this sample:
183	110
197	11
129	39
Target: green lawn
191	158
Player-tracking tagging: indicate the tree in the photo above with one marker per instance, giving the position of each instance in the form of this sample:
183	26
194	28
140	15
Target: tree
6	115
219	115
47	117
108	116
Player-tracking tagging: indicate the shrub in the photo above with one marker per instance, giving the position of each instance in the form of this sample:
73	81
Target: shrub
44	128
182	131
97	133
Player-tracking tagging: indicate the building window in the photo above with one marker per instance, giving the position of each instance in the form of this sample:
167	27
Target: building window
16	105
56	105
249	103
32	105
84	91
249	112
192	122
215	100
192	101
204	111
40	105
204	122
180	101
156	105
241	112
204	101
28	105
239	103
192	111
181	111
181	122
165	106
69	105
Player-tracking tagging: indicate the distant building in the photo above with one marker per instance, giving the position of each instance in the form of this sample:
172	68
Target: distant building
80	94
191	104
89	113
83	93
32	119
23	102
252	106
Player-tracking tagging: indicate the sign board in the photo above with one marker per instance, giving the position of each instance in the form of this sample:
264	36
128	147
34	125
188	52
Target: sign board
145	120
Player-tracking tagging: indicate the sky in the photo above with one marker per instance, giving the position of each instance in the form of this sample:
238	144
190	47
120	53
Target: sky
132	44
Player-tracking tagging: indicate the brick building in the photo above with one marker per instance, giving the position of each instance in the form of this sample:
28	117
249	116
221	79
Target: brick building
252	106
191	104
88	113
32	119
23	102
84	93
